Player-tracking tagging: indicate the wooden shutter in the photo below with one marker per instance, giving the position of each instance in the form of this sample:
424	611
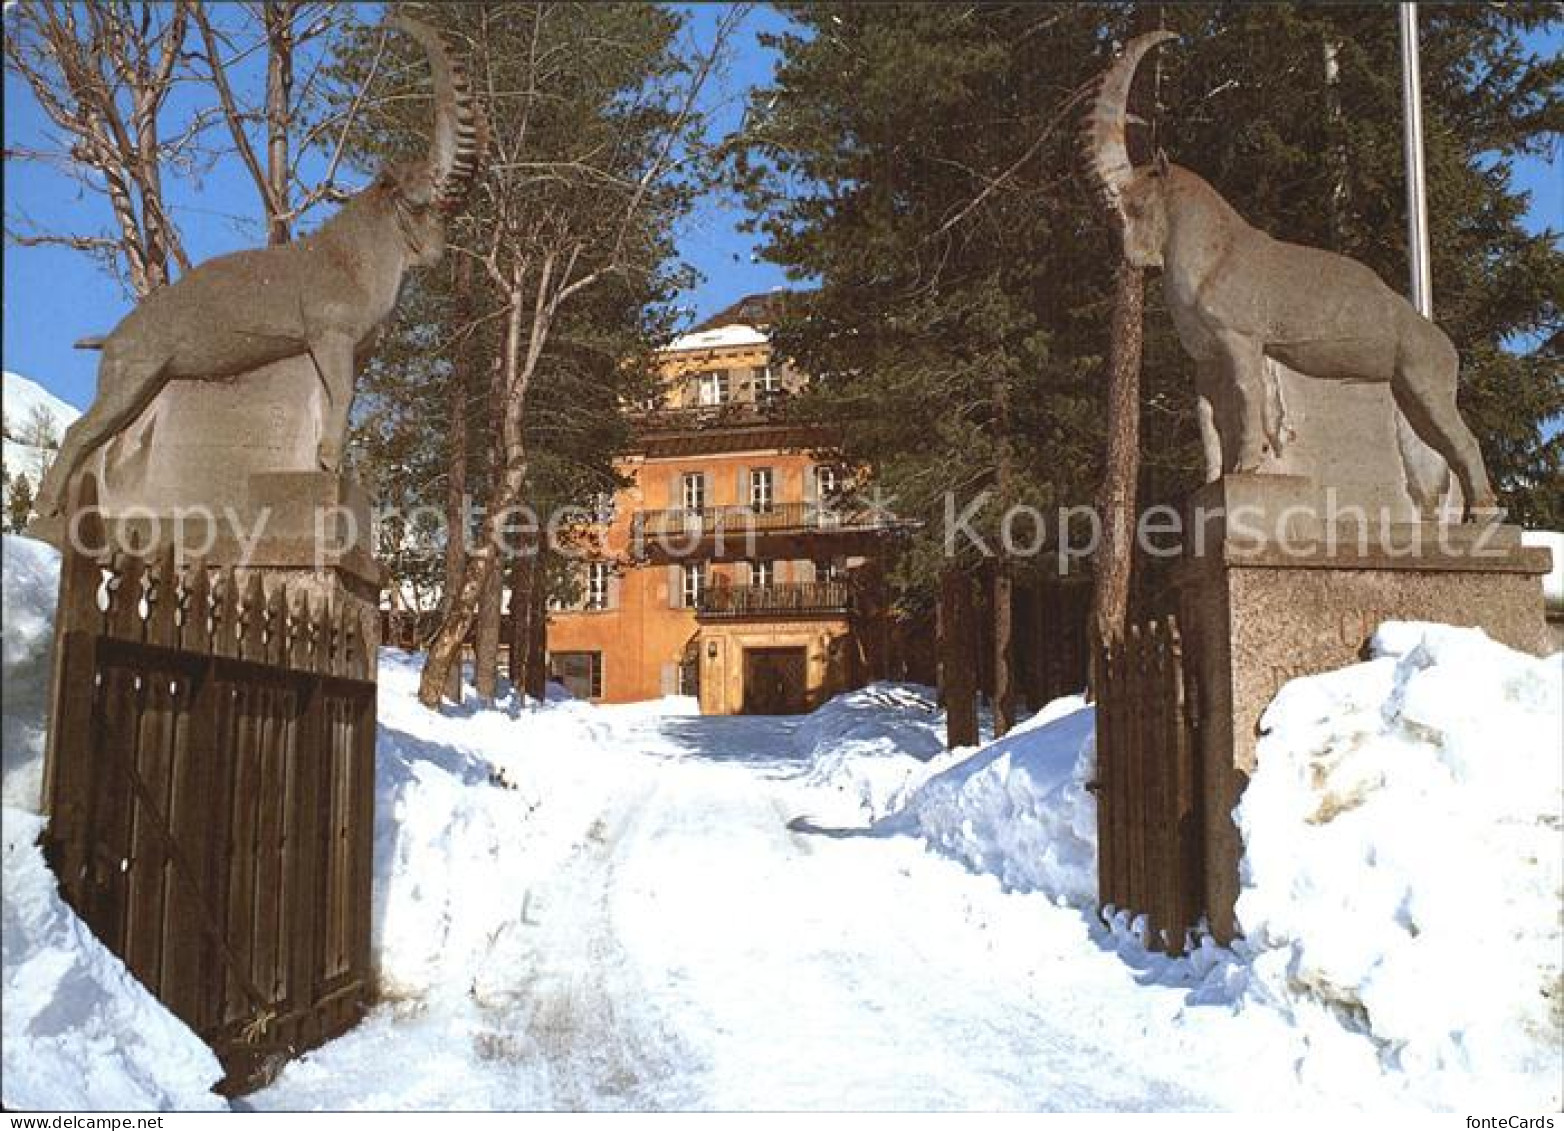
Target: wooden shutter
675	586
804	570
613	588
668	679
741	497
675	490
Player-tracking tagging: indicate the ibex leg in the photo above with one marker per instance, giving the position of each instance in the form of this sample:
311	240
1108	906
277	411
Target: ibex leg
124	392
333	357
1243	364
1206	417
1435	418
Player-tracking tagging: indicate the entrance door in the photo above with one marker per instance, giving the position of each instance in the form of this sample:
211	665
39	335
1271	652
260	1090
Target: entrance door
774	682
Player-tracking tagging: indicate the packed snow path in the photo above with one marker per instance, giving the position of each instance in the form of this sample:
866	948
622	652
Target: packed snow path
706	942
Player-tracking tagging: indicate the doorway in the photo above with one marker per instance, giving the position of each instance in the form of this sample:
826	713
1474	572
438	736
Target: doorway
774	681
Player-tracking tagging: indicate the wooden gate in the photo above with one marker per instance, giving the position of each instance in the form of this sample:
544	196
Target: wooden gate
210	785
1149	816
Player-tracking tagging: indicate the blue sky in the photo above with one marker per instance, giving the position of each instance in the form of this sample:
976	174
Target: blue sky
54	296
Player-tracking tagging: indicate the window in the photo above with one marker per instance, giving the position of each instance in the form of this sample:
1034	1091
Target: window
761	490
768	386
603	508
828	485
597	576
829	569
694	583
580	672
694	491
762	574
713	388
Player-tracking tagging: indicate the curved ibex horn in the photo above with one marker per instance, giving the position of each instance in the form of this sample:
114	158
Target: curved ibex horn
458	141
1102	131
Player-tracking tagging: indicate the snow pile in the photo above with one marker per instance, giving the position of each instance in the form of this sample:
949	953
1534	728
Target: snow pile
453	804
79	1031
32	571
872	747
1402	859
1018	808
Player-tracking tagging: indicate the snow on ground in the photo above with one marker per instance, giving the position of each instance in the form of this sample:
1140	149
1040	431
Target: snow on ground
637	907
78	1031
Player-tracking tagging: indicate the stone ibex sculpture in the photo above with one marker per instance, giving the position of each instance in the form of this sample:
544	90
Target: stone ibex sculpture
322	297
1239	297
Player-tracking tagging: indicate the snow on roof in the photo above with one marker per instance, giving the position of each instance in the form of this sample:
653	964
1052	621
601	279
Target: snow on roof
734	335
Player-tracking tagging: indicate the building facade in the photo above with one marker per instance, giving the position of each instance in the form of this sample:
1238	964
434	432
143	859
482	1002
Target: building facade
731	567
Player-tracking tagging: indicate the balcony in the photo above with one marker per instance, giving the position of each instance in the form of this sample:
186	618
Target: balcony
762	408
789	599
788	518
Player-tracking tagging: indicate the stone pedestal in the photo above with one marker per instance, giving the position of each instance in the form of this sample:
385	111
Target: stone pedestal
226	471
1283	579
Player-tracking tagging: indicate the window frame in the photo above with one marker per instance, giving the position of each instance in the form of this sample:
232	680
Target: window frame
692	584
762	501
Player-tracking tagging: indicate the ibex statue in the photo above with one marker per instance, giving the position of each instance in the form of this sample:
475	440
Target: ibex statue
323	296
1239	297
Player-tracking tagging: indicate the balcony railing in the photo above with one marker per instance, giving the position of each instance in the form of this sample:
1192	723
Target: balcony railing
796	598
763	407
780	518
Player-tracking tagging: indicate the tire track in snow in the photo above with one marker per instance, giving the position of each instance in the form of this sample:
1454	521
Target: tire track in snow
576	1005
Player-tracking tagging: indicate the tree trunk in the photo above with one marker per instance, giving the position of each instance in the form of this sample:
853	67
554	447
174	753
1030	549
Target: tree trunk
278	15
957	670
486	640
506	492
535	674
1002	607
518	625
456	464
1116	496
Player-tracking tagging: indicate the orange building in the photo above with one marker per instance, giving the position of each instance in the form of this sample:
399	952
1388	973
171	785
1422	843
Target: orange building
731	567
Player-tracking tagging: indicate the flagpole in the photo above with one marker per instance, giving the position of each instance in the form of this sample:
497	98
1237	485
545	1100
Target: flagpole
1417	195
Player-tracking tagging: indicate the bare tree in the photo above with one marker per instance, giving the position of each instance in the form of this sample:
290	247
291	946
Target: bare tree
273	132
102	73
573	200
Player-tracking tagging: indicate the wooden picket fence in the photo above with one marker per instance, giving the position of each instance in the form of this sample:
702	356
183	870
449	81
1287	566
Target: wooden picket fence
210	785
1149	801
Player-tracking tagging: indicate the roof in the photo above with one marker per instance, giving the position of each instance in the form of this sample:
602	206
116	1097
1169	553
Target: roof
758	310
731	335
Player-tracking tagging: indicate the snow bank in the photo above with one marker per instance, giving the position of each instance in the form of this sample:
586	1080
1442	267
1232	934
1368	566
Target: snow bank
79	1031
1402	861
1018	808
31	574
459	841
871	747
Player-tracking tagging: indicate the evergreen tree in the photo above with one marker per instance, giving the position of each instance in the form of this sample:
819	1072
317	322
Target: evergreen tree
19	503
918	161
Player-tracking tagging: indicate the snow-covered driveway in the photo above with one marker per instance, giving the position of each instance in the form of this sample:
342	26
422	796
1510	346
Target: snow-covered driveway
699	937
